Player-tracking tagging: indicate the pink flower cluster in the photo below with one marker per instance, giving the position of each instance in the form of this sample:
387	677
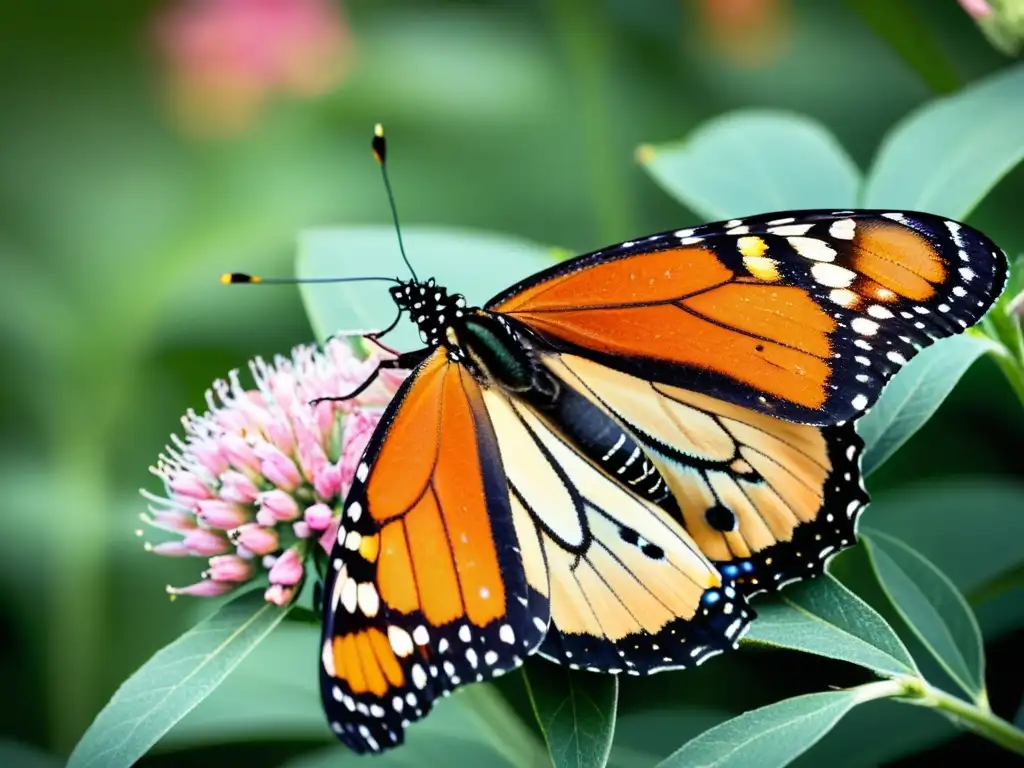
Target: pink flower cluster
225	58
261	475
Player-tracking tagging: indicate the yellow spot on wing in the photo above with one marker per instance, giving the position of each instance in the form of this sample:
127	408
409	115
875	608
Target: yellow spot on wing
762	267
752	246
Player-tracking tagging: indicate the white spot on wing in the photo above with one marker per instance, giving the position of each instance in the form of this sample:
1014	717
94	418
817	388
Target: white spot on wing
832	275
400	641
864	326
843	229
812	248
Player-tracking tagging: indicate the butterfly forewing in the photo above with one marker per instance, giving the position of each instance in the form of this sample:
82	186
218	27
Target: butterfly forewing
426	589
802	315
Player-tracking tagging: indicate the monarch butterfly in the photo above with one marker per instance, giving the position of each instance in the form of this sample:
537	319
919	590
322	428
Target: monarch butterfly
605	461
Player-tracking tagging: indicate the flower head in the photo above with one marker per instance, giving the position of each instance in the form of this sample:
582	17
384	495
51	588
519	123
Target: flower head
258	479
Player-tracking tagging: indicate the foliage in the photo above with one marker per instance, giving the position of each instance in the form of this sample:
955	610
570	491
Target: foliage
112	321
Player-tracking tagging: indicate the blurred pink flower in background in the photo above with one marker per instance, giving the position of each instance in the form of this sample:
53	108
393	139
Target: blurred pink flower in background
260	477
979	9
225	58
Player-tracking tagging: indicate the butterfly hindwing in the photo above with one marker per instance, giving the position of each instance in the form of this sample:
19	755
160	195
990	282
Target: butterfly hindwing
766	500
426	589
802	315
629	590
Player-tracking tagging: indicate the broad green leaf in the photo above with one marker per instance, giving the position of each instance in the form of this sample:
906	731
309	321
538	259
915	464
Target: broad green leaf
459	731
974	526
274	691
933	608
175	680
914	394
878	733
825	618
476	264
947	155
576	712
776	734
755	161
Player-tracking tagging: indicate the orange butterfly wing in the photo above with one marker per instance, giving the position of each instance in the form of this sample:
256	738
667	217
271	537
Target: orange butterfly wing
424	591
803	317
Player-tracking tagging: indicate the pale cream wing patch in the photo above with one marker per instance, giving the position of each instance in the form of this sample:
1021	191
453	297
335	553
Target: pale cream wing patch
766	499
629	590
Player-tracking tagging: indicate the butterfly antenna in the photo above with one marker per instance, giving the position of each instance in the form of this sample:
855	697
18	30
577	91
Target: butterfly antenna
380	152
242	278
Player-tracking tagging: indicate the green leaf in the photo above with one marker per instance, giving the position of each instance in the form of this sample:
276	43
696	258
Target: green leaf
914	394
755	161
273	691
460	731
903	28
776	734
825	618
974	525
946	156
174	681
475	264
933	608
576	712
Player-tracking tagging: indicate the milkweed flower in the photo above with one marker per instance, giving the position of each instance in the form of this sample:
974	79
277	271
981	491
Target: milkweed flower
257	480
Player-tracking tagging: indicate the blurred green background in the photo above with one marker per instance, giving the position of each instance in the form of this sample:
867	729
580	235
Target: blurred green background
146	147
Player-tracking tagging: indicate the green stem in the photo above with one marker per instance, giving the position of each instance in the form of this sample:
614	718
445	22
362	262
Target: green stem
77	607
973	717
581	28
1001	326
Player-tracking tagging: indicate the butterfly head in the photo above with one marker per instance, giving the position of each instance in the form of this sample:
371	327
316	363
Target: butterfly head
431	307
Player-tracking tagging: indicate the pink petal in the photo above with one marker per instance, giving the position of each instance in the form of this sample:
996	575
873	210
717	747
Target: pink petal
256	538
280	504
318	517
287	570
234	486
221	514
203	588
279	594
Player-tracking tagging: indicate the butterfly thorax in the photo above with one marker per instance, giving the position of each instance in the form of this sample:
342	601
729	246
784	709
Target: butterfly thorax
483	342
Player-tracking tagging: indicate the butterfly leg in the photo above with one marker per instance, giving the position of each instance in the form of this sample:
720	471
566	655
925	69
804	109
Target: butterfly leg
407	361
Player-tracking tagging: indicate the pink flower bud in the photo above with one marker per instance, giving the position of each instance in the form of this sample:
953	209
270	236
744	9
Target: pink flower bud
229	568
282	506
169	549
287	570
204	588
266	517
330	535
312	457
278	468
280	434
359	428
236	487
221	514
279	595
256	538
301	529
210	456
327	481
175	520
206	543
318	517
241	454
188	485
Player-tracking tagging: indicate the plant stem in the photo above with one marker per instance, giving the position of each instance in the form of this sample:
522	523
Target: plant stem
581	28
965	714
1000	326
